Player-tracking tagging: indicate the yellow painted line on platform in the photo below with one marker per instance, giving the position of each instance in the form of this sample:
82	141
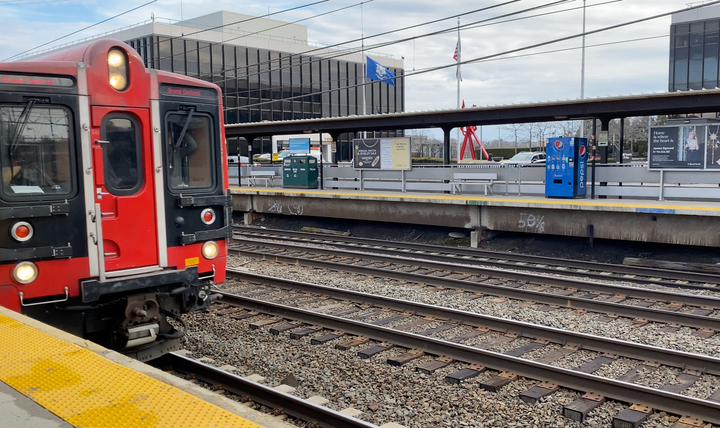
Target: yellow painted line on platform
484	199
88	390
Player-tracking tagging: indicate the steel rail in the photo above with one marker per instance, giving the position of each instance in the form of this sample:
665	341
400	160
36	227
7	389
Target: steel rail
514	257
633	350
690	320
622	391
290	404
634	292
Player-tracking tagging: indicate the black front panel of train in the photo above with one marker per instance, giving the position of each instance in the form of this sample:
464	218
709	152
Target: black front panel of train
193	172
41	199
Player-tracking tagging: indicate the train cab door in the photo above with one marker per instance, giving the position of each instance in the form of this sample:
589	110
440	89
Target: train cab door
122	167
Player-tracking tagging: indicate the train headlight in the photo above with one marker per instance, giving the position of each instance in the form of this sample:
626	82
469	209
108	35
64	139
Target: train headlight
210	250
117	69
25	272
207	216
21	231
117	81
115	58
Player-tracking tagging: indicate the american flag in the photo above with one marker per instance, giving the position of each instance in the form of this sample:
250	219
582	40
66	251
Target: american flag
456	57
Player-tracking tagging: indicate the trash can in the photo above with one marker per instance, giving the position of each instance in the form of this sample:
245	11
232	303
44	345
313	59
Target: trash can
300	172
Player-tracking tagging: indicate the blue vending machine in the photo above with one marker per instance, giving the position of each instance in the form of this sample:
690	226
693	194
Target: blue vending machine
566	167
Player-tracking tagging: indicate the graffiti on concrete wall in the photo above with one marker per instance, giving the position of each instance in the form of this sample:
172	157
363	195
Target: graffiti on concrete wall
531	223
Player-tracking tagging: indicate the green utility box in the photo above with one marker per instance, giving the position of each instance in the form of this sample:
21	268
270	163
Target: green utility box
300	172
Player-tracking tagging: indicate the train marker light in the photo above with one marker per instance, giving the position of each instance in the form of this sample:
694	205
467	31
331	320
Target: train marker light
207	216
210	250
21	231
25	272
117	69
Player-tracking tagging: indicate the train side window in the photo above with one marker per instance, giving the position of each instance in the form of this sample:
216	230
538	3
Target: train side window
122	155
189	150
35	152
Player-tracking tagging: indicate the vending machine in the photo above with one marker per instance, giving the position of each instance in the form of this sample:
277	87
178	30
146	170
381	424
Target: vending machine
566	167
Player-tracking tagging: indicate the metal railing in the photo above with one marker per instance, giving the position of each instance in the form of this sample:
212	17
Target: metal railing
633	180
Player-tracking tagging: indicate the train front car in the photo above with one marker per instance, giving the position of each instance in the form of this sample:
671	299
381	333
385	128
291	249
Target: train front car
114	204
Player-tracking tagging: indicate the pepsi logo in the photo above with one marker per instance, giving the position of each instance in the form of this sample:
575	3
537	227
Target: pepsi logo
582	151
558	145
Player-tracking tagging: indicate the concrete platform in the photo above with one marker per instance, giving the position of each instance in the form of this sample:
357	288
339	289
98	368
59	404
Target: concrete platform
671	222
49	378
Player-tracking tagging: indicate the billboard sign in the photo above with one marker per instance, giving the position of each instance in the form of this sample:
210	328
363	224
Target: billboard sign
382	153
678	147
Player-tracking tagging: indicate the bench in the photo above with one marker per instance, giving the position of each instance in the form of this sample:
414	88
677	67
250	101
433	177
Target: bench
268	176
481	178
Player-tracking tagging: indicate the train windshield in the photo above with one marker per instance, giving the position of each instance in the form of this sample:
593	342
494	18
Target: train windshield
35	150
189	151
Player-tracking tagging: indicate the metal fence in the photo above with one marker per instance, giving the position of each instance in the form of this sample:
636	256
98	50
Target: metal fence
632	180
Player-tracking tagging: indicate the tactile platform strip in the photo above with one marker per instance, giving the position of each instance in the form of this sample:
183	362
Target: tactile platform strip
88	390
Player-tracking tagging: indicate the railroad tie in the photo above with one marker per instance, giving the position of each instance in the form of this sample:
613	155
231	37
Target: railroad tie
405	357
632	417
577	410
431	367
532	395
464	374
494	383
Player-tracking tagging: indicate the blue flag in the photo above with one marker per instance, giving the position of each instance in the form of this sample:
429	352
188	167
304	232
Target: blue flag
375	71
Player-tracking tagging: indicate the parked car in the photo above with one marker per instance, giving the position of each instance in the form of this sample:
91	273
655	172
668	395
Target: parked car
262	156
238	159
527	158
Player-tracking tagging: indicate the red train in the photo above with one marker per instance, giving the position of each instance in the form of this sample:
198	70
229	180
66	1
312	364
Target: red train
115	211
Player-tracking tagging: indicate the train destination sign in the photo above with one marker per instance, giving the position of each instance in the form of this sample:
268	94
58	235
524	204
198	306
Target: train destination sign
187	91
684	147
17	79
382	153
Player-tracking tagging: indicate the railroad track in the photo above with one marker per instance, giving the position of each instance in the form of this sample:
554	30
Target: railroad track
282	402
632	302
530	263
473	347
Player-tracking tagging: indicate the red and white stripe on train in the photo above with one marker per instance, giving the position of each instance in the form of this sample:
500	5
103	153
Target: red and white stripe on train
114	205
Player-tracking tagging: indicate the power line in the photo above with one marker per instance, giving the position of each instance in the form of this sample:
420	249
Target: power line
383	44
211	44
378	45
338	81
184	35
82	29
246	20
492	56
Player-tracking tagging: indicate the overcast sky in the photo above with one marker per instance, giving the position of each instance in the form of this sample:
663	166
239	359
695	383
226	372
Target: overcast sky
633	59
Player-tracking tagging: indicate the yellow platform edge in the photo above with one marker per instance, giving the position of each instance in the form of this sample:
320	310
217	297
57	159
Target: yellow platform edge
88	385
551	203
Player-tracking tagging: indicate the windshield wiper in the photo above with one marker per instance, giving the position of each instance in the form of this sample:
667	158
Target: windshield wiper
22	121
185	127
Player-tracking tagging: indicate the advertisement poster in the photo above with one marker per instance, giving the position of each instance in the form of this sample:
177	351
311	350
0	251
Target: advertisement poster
713	147
382	153
677	147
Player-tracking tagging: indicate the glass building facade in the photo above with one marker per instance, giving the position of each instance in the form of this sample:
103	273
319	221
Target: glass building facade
694	55
260	85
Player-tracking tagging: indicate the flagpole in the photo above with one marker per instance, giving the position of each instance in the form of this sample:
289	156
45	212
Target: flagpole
457	77
362	44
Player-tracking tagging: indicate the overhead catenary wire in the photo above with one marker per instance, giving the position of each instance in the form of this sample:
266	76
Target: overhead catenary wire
184	35
82	29
383	44
491	56
337	55
375	46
